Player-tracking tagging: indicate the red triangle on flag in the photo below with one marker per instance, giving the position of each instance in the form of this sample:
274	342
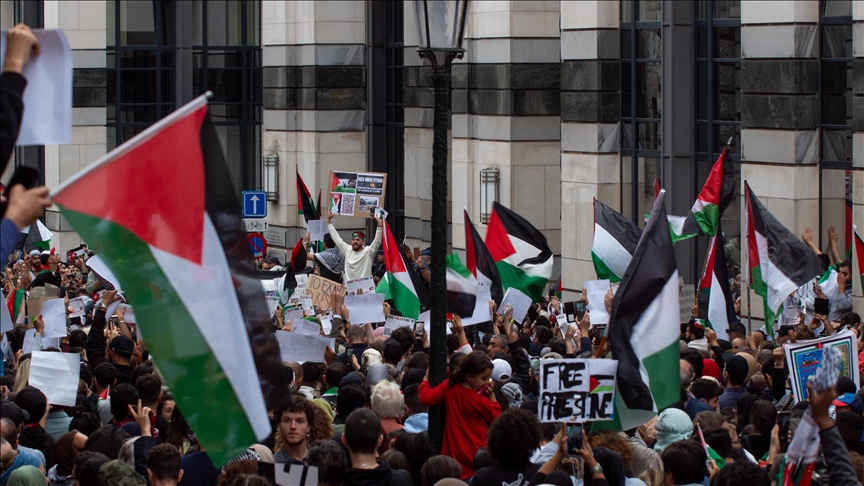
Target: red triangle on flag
592	383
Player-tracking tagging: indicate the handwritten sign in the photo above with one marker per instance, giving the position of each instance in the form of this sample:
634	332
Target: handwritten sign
577	390
320	289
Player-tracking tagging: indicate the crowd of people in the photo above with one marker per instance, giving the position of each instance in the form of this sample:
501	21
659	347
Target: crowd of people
360	415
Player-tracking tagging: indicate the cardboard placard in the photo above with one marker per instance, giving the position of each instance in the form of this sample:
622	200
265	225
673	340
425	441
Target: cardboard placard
356	193
320	289
577	390
805	358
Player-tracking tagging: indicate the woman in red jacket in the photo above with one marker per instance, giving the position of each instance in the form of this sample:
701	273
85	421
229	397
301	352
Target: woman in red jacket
469	399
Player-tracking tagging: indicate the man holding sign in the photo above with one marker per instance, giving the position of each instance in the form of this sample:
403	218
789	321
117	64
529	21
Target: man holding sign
358	258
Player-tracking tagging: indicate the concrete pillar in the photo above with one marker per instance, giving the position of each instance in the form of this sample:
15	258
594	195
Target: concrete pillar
314	80
506	114
779	112
590	112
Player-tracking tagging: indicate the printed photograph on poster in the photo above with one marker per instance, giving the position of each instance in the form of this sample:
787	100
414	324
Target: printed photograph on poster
335	203
344	182
347	208
367	204
806	357
371	184
577	390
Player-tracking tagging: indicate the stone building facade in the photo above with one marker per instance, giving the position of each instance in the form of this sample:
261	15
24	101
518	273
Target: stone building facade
555	103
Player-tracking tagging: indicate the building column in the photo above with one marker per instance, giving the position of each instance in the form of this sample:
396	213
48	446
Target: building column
314	80
857	143
590	113
779	113
507	115
84	23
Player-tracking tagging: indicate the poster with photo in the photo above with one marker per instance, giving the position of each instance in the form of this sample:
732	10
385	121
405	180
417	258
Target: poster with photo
356	193
805	357
370	184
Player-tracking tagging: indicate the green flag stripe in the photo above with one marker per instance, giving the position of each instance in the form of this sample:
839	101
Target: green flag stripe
455	264
707	218
515	277
603	271
182	355
761	289
661	366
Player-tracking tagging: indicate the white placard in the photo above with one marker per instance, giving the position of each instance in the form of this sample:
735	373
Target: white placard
301	347
301	279
272	302
317	229
32	342
365	308
394	322
47	118
129	316
293	314
54	317
305	326
327	324
56	375
306	303
563	325
577	390
481	309
364	284
103	272
78	305
596	290
518	300
293	475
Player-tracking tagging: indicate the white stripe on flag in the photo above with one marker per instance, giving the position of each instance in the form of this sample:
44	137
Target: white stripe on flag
457	283
778	284
610	252
717	309
527	250
676	223
208	294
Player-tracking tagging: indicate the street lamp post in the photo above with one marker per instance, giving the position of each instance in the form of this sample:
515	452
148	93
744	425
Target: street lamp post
440	30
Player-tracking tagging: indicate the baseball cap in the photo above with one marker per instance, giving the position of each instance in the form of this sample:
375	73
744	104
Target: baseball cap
32	401
849	400
122	344
500	370
13	412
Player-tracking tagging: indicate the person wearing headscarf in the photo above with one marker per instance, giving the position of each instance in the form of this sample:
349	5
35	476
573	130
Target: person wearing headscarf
672	425
26	476
64	454
21	459
377	372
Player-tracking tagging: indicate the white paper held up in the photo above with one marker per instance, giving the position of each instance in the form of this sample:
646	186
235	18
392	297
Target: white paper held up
481	309
365	308
56	375
518	300
596	290
54	317
298	347
317	229
47	119
103	272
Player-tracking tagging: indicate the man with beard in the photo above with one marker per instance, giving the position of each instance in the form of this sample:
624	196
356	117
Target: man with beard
358	258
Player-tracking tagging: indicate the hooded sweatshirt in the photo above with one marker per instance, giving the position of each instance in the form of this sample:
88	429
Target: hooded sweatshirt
382	475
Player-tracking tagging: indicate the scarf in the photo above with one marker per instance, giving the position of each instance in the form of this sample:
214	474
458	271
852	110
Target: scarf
55	479
22	459
333	259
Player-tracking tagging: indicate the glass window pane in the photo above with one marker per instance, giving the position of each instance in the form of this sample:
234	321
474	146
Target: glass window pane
253	24
702	43
137	59
727	9
626	188
627	136
702	138
727	91
648	44
837	145
110	27
727	42
837	8
138	86
649	100
702	86
837	41
626	11
224	59
836	191
225	112
137	113
702	10
626	50
225	22
649	169
137	27
649	10
225	84
626	108
722	133
649	135
111	140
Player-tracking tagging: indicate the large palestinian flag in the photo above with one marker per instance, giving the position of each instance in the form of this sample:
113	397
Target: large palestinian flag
644	328
480	262
520	251
461	288
714	284
777	261
305	203
859	252
161	212
400	284
615	239
715	196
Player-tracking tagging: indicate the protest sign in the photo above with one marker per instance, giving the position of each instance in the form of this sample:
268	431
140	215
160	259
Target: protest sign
295	475
130	315
78	305
356	193
317	229
685	301
32	342
34	306
272	301
320	289
56	375
298	347
518	300
365	285
481	308
326	324
305	326
562	323
301	279
596	290
394	322
365	308
805	358
577	390
54	317
293	314
306	304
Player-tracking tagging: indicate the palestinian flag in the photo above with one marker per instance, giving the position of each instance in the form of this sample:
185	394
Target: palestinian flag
165	220
859	252
520	251
615	239
716	195
461	288
35	236
558	287
644	328
601	384
305	203
480	262
12	308
778	262
399	283
714	284
298	257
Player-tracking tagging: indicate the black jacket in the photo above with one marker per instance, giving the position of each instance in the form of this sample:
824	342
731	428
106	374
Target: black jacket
35	437
383	475
11	110
518	475
47	277
840	469
96	348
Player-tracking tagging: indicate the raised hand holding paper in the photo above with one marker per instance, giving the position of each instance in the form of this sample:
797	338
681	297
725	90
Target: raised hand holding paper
518	300
596	290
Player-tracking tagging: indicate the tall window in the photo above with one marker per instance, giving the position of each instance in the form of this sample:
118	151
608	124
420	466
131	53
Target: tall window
835	120
641	104
145	77
718	104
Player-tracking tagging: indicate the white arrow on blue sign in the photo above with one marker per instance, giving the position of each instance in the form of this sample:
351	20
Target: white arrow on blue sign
254	204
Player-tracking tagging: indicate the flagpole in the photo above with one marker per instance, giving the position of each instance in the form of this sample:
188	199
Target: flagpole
745	257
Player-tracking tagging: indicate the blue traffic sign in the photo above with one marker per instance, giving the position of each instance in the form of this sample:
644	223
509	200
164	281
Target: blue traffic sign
254	204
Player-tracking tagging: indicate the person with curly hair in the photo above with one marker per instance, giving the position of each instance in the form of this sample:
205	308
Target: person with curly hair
322	427
511	441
